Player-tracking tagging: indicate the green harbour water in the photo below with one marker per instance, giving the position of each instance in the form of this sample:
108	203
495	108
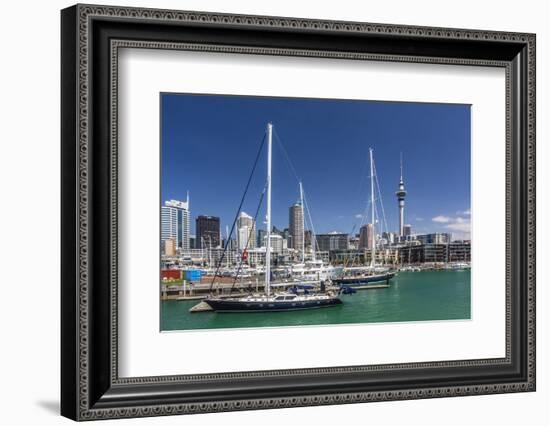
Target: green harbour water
412	296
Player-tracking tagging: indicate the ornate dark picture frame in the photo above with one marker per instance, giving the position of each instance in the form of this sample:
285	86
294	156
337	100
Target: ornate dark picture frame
90	385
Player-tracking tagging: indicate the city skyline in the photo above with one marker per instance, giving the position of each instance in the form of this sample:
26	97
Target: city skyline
213	165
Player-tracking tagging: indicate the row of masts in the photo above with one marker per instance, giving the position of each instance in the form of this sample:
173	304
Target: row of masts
302	202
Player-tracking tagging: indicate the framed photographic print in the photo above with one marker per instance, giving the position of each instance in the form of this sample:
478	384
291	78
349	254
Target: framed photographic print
263	212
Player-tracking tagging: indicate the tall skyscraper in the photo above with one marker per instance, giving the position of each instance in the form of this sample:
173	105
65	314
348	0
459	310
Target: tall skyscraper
175	223
296	226
246	231
407	230
401	193
365	236
208	232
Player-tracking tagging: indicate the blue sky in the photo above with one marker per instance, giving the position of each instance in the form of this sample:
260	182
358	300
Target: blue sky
209	143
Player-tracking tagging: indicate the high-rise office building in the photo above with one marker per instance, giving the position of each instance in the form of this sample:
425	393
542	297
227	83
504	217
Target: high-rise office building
366	236
246	231
407	230
296	226
208	232
175	223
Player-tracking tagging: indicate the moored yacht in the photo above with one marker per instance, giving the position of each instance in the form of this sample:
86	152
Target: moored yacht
268	301
362	277
273	303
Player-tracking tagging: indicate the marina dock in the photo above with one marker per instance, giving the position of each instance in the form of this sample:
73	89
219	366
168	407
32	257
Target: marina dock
222	286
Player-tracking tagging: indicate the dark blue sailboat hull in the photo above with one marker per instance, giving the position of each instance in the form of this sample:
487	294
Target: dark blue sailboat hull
232	305
363	280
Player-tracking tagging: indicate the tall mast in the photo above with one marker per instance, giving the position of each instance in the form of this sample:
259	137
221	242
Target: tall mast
268	234
373	239
303	223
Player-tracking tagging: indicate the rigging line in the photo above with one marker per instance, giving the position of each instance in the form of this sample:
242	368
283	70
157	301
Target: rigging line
362	177
238	210
287	157
365	214
248	238
361	223
314	235
362	218
376	218
380	197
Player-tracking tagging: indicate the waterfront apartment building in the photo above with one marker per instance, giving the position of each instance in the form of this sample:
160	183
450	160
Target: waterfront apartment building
456	251
296	226
246	231
460	251
208	232
175	223
332	241
388	239
353	242
366	236
435	238
387	256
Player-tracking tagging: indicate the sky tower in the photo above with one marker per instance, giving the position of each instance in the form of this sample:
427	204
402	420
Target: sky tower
401	193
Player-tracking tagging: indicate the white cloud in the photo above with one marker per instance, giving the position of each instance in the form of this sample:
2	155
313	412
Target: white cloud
459	224
358	216
419	219
464	212
441	219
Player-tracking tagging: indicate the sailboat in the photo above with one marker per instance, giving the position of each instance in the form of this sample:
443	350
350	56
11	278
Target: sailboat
269	301
360	279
